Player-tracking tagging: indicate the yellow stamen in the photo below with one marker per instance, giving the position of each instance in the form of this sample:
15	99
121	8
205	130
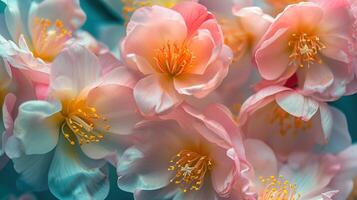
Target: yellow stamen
190	168
305	49
278	188
48	39
173	60
288	122
83	122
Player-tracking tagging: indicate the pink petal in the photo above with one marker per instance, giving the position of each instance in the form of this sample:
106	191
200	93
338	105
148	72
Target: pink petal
223	172
349	163
254	21
155	95
194	15
318	78
122	113
336	47
271	56
202	47
265	162
201	85
74	69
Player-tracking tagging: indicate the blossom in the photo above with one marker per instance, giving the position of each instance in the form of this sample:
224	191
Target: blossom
193	156
185	56
288	120
63	141
308	47
304	176
242	30
36	32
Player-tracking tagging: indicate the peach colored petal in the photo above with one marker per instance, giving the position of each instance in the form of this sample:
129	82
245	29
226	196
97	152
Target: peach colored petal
271	56
336	47
201	85
202	47
194	15
155	95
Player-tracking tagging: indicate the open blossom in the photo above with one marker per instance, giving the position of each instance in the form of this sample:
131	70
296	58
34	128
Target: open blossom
191	157
65	138
304	176
242	30
36	32
308	46
185	55
288	120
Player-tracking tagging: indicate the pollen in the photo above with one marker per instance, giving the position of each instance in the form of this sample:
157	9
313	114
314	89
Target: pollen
288	123
84	123
305	49
48	38
278	188
173	59
190	168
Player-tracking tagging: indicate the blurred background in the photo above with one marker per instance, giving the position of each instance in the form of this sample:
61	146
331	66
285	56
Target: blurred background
104	22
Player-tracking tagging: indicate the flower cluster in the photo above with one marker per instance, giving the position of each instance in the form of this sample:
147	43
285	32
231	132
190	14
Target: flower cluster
204	100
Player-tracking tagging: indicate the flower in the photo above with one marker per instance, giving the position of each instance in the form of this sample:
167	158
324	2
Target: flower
242	30
36	32
304	176
193	156
184	57
308	47
64	140
288	120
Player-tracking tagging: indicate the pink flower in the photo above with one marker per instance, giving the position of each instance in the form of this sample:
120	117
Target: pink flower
69	136
242	30
194	156
288	120
304	176
36	32
308	47
177	52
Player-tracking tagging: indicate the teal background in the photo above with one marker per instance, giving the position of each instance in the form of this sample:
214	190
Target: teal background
99	14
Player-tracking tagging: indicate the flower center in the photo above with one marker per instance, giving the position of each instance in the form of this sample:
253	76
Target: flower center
288	122
83	122
190	168
277	188
48	39
305	49
173	60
